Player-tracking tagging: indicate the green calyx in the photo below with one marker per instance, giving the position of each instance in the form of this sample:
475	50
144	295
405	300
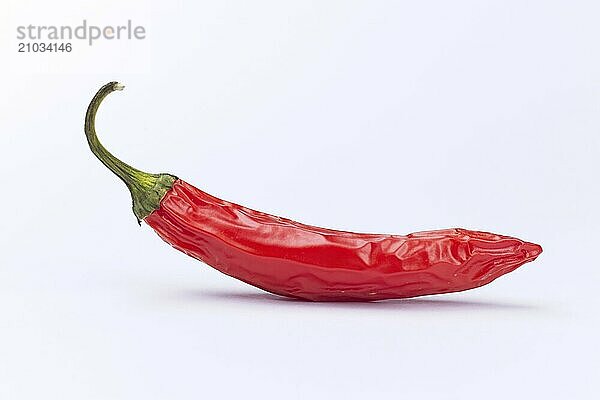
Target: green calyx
147	190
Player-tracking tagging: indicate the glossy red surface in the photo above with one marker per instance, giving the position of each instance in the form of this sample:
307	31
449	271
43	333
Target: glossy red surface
292	259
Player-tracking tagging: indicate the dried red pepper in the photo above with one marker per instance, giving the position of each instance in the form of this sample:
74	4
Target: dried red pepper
296	260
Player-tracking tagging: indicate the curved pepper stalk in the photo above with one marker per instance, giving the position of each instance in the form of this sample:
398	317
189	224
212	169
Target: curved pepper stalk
146	189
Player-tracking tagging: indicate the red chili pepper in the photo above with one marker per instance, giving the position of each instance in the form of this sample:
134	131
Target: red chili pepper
296	260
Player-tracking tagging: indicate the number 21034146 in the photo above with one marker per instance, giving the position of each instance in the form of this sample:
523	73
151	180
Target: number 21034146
45	47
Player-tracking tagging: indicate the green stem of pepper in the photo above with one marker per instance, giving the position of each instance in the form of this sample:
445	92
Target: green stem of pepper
147	190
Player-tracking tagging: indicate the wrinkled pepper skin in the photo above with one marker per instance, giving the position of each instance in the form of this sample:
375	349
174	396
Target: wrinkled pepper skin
296	260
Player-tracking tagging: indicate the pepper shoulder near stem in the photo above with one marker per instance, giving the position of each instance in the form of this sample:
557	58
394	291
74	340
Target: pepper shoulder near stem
147	190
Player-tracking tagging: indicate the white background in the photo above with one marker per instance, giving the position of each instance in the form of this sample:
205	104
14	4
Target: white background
378	116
